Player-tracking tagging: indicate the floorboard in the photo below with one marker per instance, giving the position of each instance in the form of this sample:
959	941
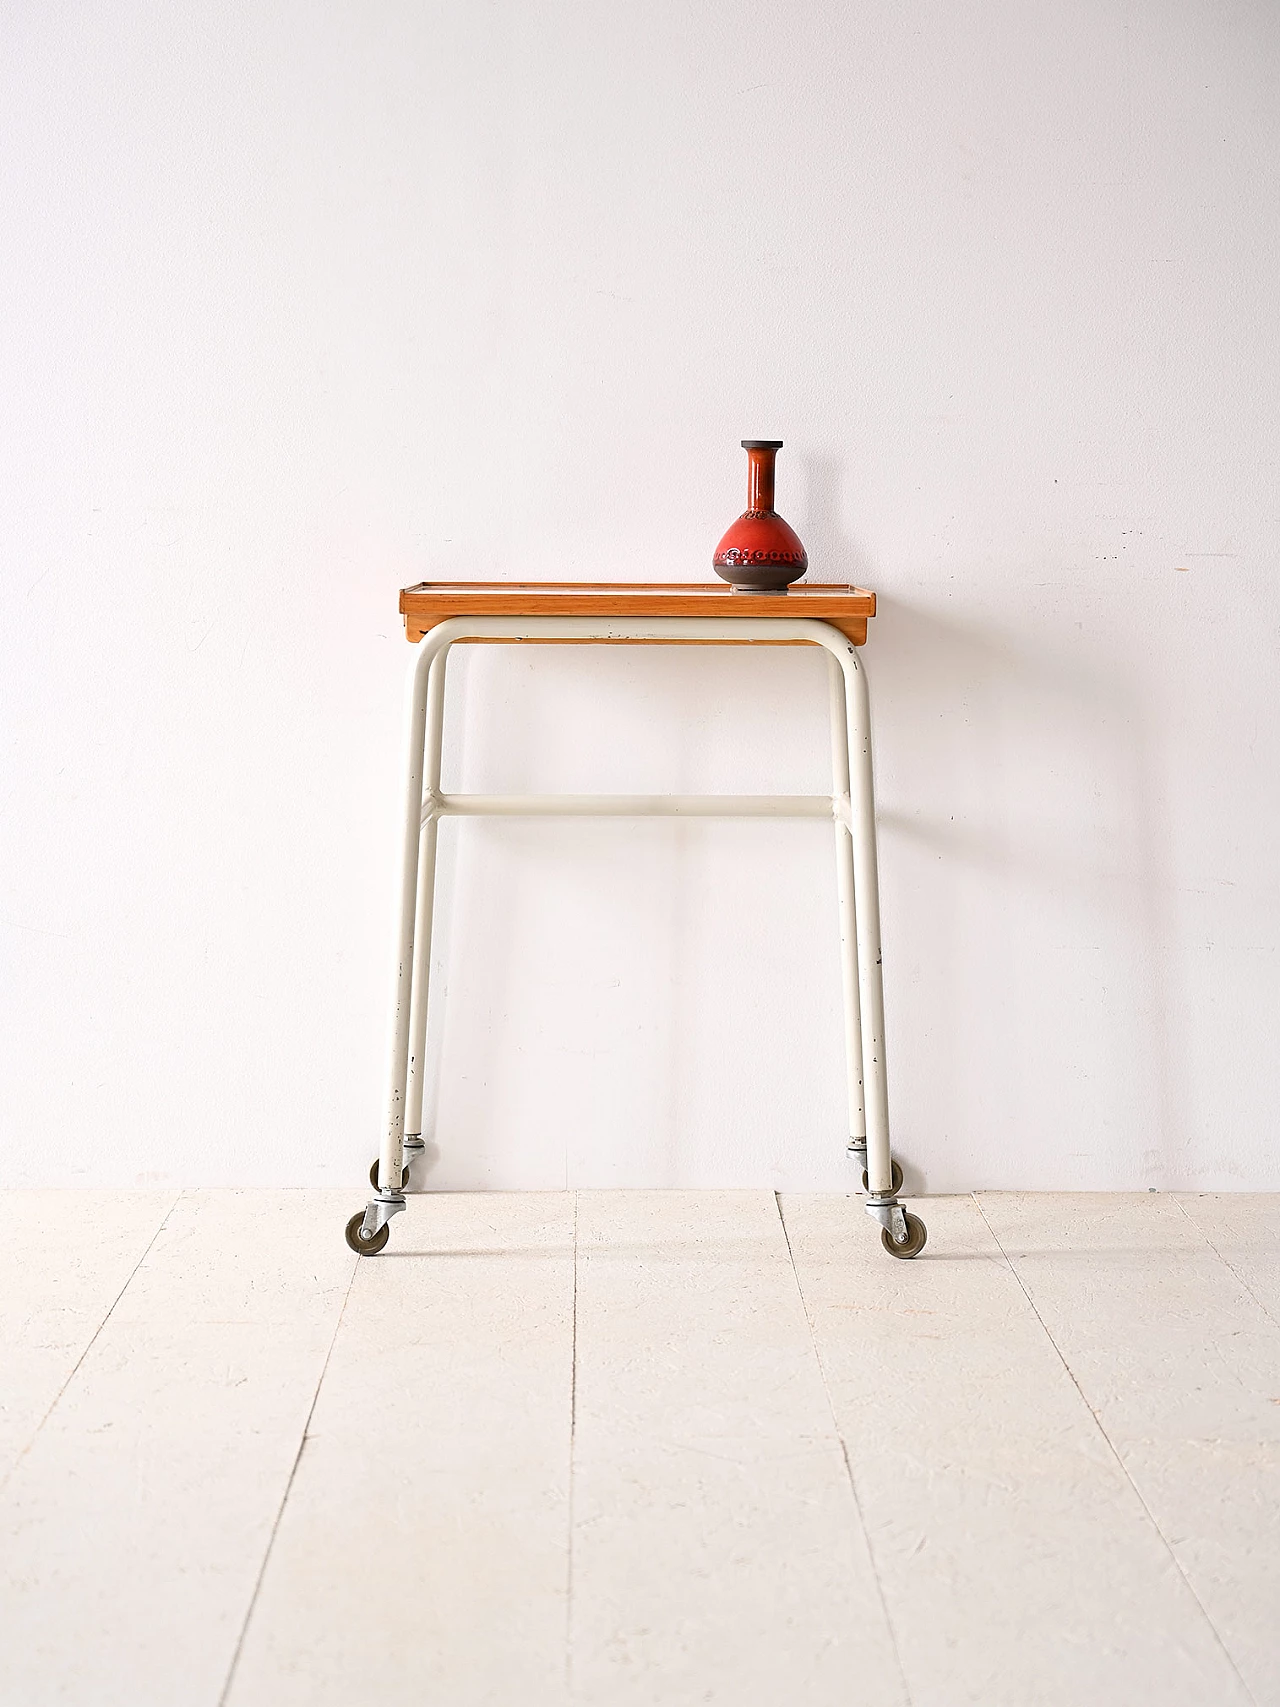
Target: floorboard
82	1246
718	1554
423	1552
1244	1229
1181	1365
132	1532
639	1449
1016	1561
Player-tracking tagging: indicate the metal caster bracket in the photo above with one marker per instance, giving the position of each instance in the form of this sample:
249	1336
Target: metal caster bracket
891	1216
381	1209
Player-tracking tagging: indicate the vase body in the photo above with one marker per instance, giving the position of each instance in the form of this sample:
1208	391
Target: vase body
760	553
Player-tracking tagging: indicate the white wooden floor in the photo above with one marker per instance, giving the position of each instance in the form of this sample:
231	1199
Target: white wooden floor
638	1448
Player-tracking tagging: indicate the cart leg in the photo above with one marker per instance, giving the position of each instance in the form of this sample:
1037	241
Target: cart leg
903	1234
368	1233
413	1145
847	915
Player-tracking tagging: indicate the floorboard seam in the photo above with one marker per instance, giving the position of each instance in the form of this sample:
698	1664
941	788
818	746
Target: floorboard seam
573	1430
844	1454
1226	1262
288	1489
1123	1467
93	1340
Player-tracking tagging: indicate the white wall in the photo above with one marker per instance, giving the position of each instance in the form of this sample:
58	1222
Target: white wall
304	302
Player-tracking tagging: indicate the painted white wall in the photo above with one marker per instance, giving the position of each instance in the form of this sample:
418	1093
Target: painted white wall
301	303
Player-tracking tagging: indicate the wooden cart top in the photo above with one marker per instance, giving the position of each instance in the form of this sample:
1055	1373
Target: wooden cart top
430	602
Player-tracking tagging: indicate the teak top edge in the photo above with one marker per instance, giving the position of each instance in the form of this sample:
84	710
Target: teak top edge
430	602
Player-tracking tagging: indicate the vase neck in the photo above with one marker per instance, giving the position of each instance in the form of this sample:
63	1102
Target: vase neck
760	461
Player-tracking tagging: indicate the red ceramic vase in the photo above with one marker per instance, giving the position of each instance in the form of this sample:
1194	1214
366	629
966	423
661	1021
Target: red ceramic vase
760	553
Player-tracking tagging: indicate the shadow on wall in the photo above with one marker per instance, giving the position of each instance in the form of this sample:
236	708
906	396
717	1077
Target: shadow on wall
1026	893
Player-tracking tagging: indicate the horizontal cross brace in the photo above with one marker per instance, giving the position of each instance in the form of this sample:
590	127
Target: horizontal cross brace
634	806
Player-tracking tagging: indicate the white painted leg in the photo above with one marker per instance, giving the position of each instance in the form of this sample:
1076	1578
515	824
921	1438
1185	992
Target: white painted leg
904	1235
848	915
867	911
426	909
367	1234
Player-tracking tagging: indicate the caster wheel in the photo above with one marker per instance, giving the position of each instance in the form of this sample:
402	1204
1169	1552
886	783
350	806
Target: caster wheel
911	1246
404	1177
895	1175
367	1247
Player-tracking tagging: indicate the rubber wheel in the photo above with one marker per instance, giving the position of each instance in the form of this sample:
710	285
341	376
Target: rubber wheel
895	1174
366	1247
404	1177
911	1246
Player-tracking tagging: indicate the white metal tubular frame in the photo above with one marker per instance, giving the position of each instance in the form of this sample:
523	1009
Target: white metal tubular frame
850	806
